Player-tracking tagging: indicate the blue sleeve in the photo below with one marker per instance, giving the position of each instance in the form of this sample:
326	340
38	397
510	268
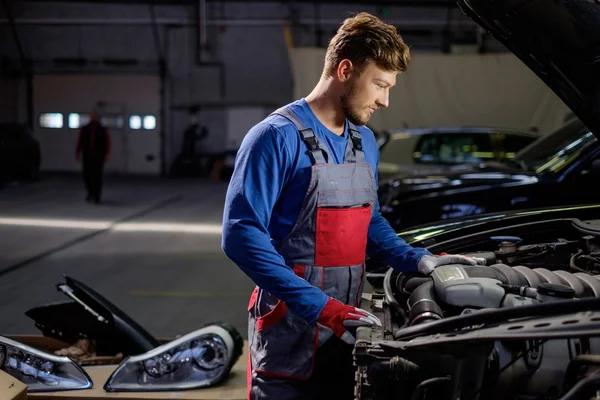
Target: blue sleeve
262	166
383	244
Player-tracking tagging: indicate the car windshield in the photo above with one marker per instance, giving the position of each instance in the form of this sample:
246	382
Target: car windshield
449	147
395	147
557	150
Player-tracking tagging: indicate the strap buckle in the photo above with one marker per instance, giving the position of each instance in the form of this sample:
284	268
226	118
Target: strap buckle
311	141
357	142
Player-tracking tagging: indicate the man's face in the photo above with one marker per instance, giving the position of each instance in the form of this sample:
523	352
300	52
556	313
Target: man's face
366	92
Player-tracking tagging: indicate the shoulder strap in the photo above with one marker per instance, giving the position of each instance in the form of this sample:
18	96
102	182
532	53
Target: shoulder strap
316	152
354	150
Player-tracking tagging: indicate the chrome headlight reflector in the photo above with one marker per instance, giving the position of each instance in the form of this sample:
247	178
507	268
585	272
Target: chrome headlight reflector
198	359
41	371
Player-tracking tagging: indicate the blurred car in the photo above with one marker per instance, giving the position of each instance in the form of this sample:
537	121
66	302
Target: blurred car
434	149
20	155
561	168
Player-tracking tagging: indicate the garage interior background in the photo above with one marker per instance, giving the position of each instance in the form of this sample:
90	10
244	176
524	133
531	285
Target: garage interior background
149	63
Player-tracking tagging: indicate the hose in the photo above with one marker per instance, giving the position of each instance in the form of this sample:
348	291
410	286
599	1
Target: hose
417	393
575	365
572	262
494	316
585	388
422	305
387	290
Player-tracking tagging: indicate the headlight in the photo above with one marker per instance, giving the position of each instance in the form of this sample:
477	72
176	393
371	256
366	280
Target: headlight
41	371
199	359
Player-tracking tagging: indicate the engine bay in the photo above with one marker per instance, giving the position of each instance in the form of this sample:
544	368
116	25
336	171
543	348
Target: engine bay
524	326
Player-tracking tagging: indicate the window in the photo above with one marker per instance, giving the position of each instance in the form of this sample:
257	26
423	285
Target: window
515	143
135	122
561	156
149	122
396	148
112	121
559	149
454	148
51	120
76	121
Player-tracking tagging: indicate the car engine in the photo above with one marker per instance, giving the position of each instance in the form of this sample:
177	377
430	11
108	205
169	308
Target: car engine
524	326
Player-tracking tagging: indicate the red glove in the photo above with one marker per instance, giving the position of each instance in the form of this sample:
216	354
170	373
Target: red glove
337	316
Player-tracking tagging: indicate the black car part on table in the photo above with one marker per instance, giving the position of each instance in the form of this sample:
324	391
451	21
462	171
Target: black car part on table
197	359
524	326
90	316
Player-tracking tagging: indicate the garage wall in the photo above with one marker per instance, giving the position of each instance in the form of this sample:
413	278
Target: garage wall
9	99
133	151
226	126
438	89
244	73
244	62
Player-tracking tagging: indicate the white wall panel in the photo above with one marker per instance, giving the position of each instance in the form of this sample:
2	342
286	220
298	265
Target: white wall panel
438	89
239	122
133	152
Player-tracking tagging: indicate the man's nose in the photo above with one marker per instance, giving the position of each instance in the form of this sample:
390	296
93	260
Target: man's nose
384	100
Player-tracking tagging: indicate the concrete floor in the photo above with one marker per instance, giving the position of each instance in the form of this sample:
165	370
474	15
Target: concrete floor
169	280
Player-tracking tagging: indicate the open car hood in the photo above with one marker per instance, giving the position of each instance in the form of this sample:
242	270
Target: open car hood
559	40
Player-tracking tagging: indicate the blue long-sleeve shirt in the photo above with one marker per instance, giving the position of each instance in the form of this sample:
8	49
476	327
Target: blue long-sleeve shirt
270	179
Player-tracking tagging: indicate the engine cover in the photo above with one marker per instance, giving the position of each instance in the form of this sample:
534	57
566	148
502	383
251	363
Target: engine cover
454	286
499	285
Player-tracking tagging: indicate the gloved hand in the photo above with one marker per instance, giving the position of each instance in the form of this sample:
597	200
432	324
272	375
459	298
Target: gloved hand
338	316
428	263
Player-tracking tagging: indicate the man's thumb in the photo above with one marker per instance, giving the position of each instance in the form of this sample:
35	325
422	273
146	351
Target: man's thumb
348	338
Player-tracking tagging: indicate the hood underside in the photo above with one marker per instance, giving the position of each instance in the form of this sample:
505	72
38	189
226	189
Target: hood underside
558	39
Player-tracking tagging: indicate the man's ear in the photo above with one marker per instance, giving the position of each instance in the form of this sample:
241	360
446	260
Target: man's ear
345	70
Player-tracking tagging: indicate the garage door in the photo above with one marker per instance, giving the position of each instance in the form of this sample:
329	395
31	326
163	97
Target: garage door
129	107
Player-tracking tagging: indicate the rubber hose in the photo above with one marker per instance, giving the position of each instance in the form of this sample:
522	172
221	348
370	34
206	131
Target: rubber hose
422	304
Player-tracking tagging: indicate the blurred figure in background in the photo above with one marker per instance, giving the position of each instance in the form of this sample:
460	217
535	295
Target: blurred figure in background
93	150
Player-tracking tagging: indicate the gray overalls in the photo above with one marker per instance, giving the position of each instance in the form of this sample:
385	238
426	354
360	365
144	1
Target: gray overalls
326	247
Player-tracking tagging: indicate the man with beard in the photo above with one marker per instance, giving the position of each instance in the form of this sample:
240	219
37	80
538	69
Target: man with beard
301	214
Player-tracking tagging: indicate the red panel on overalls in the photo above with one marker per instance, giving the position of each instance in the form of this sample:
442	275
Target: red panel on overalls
340	235
326	246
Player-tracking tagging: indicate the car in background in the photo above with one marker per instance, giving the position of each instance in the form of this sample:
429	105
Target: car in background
561	168
20	155
422	150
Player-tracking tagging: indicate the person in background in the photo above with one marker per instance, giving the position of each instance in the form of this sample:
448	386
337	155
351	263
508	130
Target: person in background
93	151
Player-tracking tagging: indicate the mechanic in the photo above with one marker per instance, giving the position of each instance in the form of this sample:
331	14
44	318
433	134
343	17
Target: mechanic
301	214
93	148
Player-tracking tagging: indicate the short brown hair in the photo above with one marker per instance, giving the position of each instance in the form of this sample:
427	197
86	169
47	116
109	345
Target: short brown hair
365	38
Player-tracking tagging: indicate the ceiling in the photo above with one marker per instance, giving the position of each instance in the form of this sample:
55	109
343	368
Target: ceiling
398	3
